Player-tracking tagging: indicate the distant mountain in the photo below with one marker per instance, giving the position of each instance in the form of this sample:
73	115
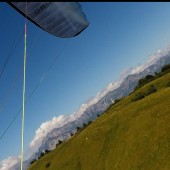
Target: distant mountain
100	103
130	82
90	114
132	134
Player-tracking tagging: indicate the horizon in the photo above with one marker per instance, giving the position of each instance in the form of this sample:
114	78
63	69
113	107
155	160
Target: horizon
61	118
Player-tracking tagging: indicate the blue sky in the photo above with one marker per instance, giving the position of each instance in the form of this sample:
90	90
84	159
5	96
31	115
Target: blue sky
120	35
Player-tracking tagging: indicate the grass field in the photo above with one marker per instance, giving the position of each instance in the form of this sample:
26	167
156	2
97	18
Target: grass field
128	136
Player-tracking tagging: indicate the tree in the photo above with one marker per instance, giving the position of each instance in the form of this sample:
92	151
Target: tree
34	160
156	73
89	122
78	128
84	125
46	151
41	155
98	115
165	68
148	77
59	143
117	100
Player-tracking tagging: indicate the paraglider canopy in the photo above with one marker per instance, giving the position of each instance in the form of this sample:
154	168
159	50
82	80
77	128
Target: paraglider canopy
61	19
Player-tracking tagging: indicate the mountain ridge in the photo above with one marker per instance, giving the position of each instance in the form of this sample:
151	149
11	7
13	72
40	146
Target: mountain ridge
123	87
129	135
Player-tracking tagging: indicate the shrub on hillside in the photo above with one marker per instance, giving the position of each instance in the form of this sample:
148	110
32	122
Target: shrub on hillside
151	90
148	78
168	84
47	164
145	80
138	96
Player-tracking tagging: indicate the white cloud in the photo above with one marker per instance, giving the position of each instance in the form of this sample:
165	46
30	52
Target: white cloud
126	72
8	163
48	126
151	60
45	128
138	69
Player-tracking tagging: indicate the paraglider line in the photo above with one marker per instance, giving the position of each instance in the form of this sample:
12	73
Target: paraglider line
28	98
9	57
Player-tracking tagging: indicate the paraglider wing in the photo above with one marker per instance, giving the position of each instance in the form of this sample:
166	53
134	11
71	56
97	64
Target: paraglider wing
61	19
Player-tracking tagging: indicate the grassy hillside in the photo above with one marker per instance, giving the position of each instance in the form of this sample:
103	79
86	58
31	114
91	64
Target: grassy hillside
130	135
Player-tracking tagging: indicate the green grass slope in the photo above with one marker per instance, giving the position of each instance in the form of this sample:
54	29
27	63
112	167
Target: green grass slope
128	136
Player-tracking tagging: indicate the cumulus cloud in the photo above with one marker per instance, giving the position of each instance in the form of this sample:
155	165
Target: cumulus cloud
138	69
151	60
8	163
57	122
126	72
45	128
110	87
